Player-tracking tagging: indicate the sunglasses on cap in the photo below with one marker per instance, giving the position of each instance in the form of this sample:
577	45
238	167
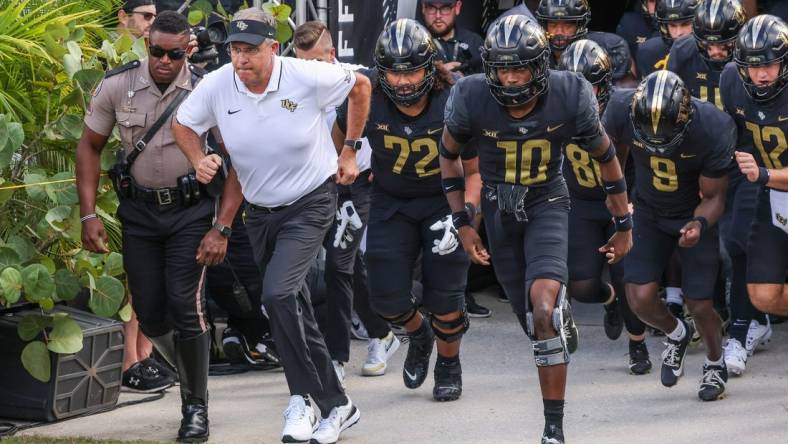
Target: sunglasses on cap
173	54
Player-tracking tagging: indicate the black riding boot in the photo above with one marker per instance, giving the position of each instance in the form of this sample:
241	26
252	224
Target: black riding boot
193	357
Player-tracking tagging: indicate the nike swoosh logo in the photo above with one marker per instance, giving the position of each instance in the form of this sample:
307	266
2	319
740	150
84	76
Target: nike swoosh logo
449	187
687	156
434	131
609	187
551	129
782	119
409	375
233	112
553	199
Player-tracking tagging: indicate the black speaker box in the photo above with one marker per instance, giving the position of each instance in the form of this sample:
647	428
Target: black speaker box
86	381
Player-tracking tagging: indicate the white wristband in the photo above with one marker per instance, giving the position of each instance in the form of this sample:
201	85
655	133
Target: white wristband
88	216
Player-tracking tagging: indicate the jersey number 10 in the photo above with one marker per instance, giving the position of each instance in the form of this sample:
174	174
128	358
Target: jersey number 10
524	174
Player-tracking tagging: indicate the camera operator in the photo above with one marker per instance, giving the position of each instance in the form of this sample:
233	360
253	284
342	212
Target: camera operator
163	210
458	48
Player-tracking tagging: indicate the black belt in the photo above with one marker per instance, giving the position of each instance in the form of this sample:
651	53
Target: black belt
159	196
271	210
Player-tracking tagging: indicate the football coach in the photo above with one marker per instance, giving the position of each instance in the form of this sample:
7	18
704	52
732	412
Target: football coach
270	112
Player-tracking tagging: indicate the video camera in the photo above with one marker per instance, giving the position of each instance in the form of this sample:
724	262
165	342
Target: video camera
208	37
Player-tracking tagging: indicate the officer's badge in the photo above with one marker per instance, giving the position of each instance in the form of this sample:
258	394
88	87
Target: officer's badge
288	104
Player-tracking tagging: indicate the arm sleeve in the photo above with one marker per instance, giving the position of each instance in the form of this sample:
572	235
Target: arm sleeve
100	116
720	158
332	82
197	111
456	114
673	60
587	117
612	119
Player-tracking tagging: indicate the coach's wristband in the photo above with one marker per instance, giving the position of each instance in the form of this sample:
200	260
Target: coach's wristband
763	176
460	219
704	223
623	223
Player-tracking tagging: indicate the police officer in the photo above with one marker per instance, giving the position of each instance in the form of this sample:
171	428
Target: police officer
272	112
163	212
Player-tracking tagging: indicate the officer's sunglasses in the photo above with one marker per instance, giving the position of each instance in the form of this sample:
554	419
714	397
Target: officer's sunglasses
173	54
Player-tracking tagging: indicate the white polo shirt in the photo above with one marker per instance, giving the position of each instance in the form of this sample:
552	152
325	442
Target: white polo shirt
278	141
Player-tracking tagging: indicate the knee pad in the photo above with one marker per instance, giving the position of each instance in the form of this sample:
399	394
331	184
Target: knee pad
560	311
401	319
551	351
439	325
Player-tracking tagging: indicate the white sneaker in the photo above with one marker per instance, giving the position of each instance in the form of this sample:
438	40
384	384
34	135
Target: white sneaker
339	369
378	353
338	420
758	335
300	421
735	357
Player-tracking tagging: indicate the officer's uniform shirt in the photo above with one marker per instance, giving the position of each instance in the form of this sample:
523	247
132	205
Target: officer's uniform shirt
278	141
685	60
669	185
652	56
635	29
132	100
464	41
761	126
523	151
405	160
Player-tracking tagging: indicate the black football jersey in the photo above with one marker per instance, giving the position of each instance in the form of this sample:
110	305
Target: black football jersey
669	185
652	56
703	82
761	126
635	29
523	151
404	148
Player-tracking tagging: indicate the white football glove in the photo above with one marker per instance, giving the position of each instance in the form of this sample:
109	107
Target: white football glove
347	221
450	239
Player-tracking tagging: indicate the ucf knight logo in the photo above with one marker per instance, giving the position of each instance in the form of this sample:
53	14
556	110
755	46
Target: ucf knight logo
289	105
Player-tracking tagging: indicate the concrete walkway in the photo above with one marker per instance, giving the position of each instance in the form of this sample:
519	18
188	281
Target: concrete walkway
501	402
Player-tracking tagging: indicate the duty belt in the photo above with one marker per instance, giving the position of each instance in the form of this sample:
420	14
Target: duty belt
159	196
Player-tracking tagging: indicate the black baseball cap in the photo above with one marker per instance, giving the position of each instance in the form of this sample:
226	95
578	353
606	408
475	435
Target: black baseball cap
252	32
